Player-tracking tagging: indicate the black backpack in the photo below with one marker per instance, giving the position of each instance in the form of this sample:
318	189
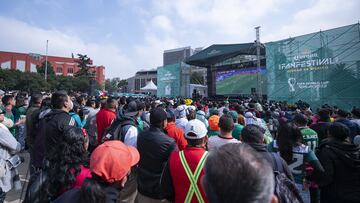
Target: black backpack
285	189
39	138
118	129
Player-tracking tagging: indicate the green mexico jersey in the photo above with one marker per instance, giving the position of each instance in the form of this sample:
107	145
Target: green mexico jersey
236	133
301	154
310	138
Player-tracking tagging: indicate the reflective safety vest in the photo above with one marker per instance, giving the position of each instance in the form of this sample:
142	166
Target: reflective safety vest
193	177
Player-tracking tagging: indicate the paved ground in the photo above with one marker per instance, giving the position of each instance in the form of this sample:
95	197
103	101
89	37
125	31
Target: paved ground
14	196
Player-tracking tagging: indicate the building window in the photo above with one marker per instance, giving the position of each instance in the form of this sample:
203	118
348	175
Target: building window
20	65
59	70
33	68
137	84
6	65
143	82
70	70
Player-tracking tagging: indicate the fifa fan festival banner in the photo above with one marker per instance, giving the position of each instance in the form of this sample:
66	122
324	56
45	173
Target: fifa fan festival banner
169	78
239	81
319	68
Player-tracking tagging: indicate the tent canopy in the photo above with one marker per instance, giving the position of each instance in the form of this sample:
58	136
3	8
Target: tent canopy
150	86
220	52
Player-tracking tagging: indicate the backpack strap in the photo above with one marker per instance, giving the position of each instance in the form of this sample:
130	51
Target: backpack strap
277	162
123	131
125	125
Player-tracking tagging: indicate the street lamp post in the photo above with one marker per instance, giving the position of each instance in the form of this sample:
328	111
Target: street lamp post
258	63
46	59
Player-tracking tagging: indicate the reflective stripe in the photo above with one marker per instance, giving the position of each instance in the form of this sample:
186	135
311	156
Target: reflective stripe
193	178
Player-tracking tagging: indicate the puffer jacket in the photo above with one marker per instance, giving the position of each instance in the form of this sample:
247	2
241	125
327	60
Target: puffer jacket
155	148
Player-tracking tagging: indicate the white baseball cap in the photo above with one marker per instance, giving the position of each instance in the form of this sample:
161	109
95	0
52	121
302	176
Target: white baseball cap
191	108
197	127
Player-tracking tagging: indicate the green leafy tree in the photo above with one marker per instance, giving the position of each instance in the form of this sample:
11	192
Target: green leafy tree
41	69
122	83
26	81
115	84
111	85
84	63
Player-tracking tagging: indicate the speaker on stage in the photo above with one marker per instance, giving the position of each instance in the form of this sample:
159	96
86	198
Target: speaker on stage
211	81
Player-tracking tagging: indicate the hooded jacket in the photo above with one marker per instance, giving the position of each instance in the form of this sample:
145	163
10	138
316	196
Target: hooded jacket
341	180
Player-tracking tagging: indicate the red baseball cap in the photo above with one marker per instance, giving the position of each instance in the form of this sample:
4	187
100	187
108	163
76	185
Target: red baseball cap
113	160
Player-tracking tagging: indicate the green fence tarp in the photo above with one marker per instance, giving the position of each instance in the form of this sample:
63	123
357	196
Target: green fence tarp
318	68
169	80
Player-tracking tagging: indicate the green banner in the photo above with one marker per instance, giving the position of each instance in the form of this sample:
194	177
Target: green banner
318	68
168	80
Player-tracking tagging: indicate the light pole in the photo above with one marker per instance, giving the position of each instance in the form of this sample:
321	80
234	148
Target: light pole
258	63
46	61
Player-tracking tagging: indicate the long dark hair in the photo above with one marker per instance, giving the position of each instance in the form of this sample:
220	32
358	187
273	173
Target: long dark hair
92	190
65	164
289	136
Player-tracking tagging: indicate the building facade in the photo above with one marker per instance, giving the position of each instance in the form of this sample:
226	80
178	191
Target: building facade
62	65
175	56
140	79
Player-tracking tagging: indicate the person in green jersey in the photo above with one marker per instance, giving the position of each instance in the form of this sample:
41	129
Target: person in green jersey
289	144
237	127
310	137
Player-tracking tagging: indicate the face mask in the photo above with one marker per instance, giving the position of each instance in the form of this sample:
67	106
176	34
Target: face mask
71	105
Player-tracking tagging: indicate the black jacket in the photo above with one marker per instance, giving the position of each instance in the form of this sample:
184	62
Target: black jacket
112	195
57	122
341	180
321	129
155	148
262	149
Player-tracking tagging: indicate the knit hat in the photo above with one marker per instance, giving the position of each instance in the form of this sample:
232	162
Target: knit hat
170	114
234	115
132	109
113	160
214	112
214	123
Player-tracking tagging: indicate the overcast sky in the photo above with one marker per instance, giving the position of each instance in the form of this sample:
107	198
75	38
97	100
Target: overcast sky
129	35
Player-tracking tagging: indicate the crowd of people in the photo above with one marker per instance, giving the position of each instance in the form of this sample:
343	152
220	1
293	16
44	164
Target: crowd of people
86	149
